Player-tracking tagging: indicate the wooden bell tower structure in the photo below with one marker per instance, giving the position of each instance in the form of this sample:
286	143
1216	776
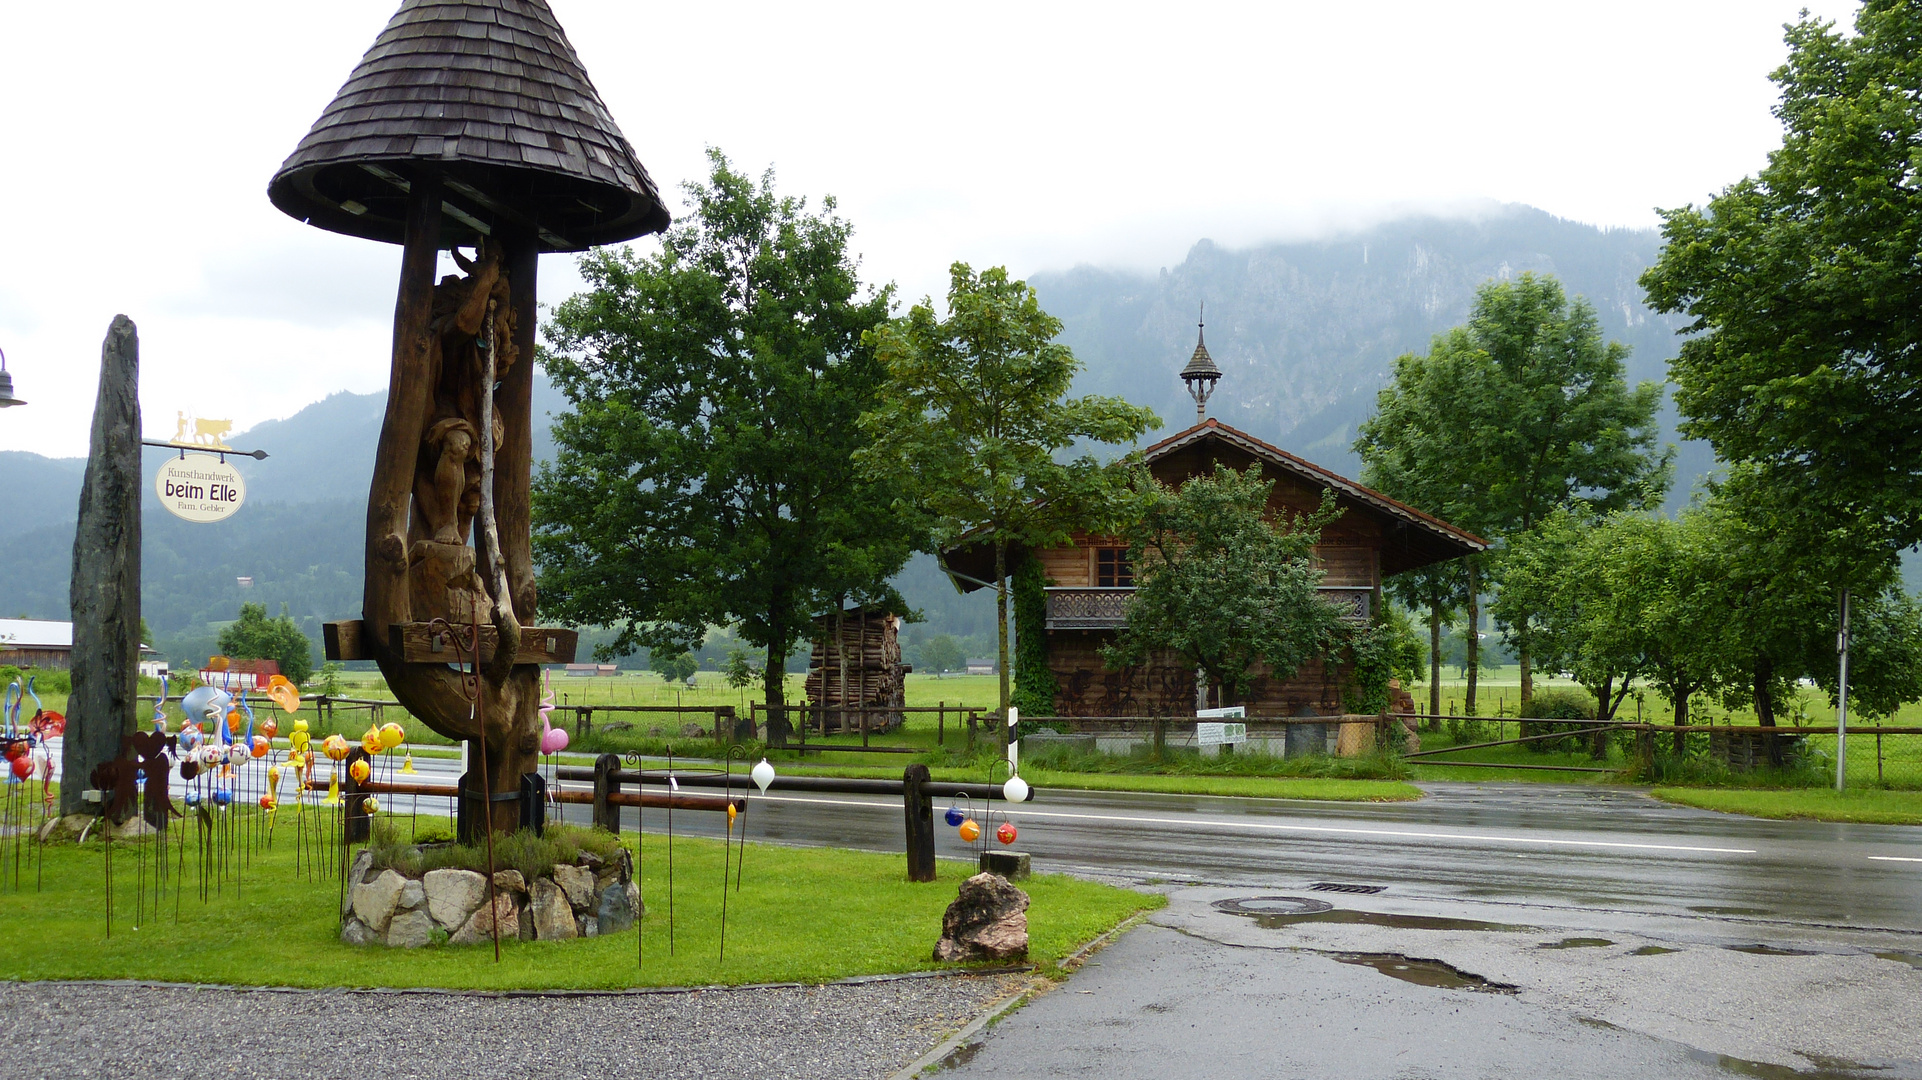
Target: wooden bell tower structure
466	125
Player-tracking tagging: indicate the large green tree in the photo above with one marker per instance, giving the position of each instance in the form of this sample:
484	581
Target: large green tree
975	422
1520	413
1805	354
254	636
1221	586
705	473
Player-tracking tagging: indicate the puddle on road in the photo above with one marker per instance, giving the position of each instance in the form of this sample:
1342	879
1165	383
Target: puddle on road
1826	1068
1577	943
1346	917
1710	909
1652	950
1424	972
1914	960
1770	950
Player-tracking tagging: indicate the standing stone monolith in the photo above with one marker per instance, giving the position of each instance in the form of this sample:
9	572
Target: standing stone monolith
106	574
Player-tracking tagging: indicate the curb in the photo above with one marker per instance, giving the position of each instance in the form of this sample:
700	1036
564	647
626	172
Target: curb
960	1039
434	991
1080	956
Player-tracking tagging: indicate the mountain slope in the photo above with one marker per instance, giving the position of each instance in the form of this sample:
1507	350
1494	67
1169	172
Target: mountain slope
1305	333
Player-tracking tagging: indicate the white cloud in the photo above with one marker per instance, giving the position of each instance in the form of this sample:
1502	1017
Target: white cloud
1034	135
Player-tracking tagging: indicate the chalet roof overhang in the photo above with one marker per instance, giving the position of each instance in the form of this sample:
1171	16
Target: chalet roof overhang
1411	539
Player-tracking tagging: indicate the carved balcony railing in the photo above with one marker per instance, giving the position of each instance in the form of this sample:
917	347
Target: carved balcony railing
1357	604
1088	609
1107	609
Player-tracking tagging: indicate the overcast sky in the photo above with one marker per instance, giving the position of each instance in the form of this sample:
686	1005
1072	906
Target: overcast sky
139	138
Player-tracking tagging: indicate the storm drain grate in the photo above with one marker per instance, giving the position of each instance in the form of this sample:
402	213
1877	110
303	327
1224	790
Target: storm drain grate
1338	886
1272	905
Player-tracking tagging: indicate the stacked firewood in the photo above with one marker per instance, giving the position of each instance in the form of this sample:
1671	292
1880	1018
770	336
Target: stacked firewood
874	676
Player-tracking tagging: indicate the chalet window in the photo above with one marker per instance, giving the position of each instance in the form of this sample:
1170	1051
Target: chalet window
1111	569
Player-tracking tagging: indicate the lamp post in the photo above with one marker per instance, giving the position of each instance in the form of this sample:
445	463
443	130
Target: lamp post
7	399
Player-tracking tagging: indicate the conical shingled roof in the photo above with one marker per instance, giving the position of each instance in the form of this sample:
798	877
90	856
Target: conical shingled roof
490	94
1201	365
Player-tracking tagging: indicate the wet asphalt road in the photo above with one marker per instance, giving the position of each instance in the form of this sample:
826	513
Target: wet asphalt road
1618	855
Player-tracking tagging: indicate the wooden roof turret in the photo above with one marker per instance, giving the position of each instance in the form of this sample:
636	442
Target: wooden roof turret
490	95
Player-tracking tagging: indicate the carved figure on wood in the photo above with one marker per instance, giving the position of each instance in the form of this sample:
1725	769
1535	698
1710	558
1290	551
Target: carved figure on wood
447	472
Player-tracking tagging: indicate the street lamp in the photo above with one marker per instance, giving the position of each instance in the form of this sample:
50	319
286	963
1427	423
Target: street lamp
6	384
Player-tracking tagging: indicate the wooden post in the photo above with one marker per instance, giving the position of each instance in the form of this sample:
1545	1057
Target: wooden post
974	719
724	724
607	784
941	724
583	722
919	808
1161	737
354	814
105	587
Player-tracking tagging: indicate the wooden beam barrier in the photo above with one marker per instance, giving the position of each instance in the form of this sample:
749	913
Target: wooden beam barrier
421	643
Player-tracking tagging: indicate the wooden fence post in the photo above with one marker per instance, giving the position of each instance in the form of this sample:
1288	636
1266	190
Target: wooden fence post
724	724
607	783
1161	736
354	816
941	724
919	808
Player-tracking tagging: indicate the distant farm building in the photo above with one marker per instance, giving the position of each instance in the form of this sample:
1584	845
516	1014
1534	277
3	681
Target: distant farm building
592	671
241	674
45	643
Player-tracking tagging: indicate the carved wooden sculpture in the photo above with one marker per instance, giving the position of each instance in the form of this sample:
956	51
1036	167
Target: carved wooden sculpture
466	125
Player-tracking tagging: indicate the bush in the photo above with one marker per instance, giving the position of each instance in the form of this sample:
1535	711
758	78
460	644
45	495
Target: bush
1572	704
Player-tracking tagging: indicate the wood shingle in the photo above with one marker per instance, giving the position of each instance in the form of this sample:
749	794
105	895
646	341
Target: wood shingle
489	93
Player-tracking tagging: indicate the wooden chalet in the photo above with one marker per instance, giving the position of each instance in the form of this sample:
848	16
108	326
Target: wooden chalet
1090	581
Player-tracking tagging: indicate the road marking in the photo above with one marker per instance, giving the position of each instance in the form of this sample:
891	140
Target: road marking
1892	858
1404	834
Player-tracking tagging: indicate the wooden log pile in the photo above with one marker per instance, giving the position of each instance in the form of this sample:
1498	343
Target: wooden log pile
875	676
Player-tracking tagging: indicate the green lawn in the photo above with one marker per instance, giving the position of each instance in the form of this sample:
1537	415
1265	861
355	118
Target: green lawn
803	914
1871	805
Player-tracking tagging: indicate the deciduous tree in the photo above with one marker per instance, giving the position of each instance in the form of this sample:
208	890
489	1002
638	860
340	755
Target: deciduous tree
1223	587
705	474
254	636
974	419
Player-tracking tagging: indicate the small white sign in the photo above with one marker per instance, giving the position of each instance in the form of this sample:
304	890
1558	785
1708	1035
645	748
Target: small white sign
1232	712
1214	734
199	488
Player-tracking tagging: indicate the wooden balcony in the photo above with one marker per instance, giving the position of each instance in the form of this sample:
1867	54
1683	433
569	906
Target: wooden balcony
1107	609
1088	609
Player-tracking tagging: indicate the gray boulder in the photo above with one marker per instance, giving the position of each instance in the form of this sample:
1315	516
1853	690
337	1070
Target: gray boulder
620	905
355	932
374	902
452	896
578	883
987	921
412	895
410	930
553	915
479	927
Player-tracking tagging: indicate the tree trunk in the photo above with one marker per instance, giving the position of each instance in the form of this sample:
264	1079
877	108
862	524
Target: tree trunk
1604	712
1473	644
1434	658
1528	677
1001	622
1765	704
105	587
841	653
1682	694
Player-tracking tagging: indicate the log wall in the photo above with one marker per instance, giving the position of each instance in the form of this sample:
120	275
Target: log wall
876	677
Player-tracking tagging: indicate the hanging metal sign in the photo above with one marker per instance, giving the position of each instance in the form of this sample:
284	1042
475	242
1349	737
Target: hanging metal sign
199	489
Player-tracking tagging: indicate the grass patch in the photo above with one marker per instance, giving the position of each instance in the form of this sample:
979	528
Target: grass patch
803	914
1870	805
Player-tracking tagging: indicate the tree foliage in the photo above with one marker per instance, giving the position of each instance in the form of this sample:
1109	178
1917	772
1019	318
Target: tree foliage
705	474
1520	413
674	667
974	420
1805	358
254	636
1221	586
